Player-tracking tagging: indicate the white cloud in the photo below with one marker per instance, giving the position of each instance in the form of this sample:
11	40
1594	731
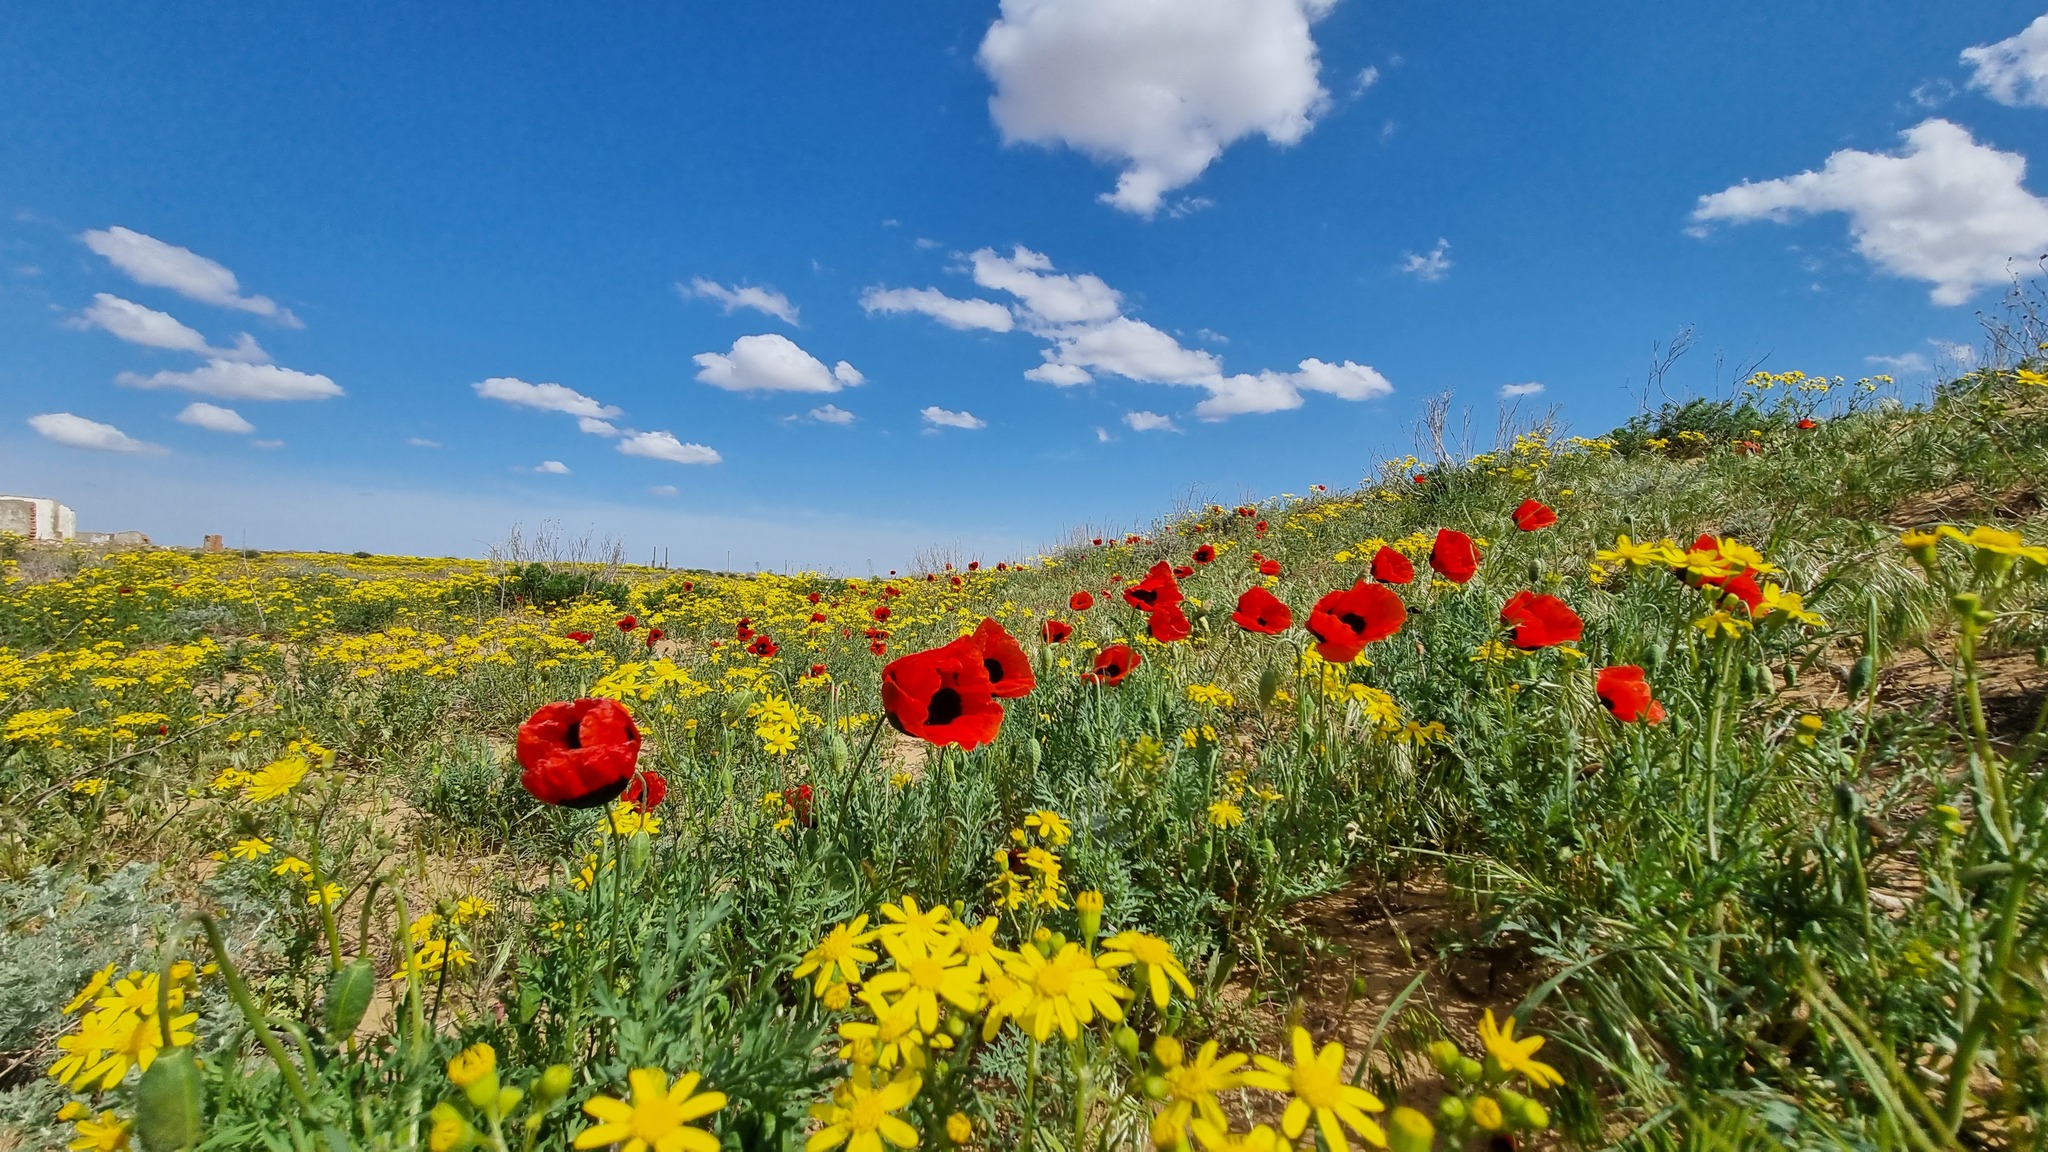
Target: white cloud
239	381
421	442
1058	375
129	321
1149	422
546	397
1367	77
266	445
665	446
772	363
939	417
1510	391
1159	87
832	414
1951	352
1135	350
960	314
1904	362
78	432
1102	436
1946	209
552	468
214	418
591	425
148	260
2013	71
662	489
1048	298
766	300
1428	267
1269	391
1212	336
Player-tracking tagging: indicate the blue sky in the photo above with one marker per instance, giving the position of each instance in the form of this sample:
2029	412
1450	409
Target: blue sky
1236	244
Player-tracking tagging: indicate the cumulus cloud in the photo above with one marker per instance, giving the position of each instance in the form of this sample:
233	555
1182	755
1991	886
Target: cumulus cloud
1913	362
1047	297
766	300
1159	87
78	432
1149	422
773	363
1132	349
2013	71
136	324
1510	391
234	380
1246	394
665	446
214	418
552	468
832	414
546	397
148	260
1945	209
953	313
421	442
1428	267
592	426
663	489
938	417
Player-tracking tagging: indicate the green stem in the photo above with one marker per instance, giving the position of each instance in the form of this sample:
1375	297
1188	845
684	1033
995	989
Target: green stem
1031	1099
1981	1021
1980	736
257	1023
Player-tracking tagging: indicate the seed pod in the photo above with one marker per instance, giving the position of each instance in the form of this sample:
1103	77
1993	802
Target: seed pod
1791	675
349	992
1749	687
836	752
170	1102
1034	752
1764	682
1861	673
1653	658
2041	656
1269	685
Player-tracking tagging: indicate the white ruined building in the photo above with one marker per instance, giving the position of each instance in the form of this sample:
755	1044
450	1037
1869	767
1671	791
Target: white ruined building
36	518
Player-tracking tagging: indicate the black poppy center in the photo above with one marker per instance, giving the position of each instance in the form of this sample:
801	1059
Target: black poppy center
1113	670
944	707
574	737
1146	594
995	670
1353	621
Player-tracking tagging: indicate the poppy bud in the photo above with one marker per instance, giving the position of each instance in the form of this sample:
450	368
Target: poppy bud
1861	673
1269	685
349	992
170	1102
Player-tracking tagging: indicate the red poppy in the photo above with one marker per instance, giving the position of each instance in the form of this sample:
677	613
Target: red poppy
1808	424
956	581
1260	611
880	613
1421	479
743	632
1540	620
817	617
1112	664
1390	567
1098	541
163	729
1744	588
798	799
1247	512
689	585
1169	624
892	590
1205	554
763	646
578	754
1081	601
655	636
813	597
1269	567
878	648
1622	689
817	670
974	565
1453	556
1009	670
1155	591
1345	621
627	623
1057	631
942	695
1531	515
580	637
1748	448
646	790
1260	527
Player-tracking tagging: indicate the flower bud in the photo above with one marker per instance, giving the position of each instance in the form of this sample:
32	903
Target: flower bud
1155	1088
349	992
1469	1070
959	1129
1410	1131
1445	1055
451	1131
1126	1039
1452	1112
1088	907
170	1102
1486	1114
550	1086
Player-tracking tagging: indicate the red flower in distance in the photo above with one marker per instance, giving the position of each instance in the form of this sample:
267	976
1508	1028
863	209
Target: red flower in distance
1453	556
1540	620
689	585
1622	689
942	695
1808	424
1247	511
578	754
1081	601
880	613
1269	567
1390	567
1205	554
878	648
1345	621
1531	515
580	637
646	790
956	581
763	646
1260	611
817	617
1009	670
1155	591
627	623
655	636
974	565
1169	624
813	597
1421	479
1260	527
1183	571
1098	541
1057	631
798	800
1744	588
817	670
1112	664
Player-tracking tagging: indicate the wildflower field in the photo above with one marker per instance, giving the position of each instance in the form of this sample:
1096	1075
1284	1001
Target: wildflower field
1679	787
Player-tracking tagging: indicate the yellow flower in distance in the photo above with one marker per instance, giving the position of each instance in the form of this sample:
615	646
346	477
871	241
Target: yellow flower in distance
657	1118
1516	1055
276	779
1155	955
1316	1083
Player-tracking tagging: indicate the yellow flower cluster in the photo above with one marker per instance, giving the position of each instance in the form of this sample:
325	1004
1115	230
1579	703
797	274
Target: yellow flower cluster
123	1028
